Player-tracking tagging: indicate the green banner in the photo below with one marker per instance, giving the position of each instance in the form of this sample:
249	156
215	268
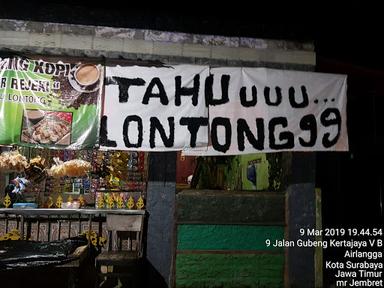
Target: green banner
47	104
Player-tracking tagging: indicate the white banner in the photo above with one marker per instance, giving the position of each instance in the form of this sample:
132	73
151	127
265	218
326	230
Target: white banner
154	109
250	110
266	110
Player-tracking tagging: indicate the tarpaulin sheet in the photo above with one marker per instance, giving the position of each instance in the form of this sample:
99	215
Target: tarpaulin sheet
29	254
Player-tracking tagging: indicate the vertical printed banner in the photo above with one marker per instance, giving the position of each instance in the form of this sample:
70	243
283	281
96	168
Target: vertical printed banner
46	104
154	108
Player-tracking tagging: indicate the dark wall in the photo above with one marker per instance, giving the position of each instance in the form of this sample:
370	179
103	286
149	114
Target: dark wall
352	182
355	42
123	14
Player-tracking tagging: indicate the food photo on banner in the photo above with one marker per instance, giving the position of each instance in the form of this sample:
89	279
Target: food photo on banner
50	104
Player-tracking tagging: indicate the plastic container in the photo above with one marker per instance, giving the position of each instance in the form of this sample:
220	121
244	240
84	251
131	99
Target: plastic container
24	205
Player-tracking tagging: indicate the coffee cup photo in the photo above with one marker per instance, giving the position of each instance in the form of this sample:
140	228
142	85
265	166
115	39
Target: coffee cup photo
34	116
87	75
